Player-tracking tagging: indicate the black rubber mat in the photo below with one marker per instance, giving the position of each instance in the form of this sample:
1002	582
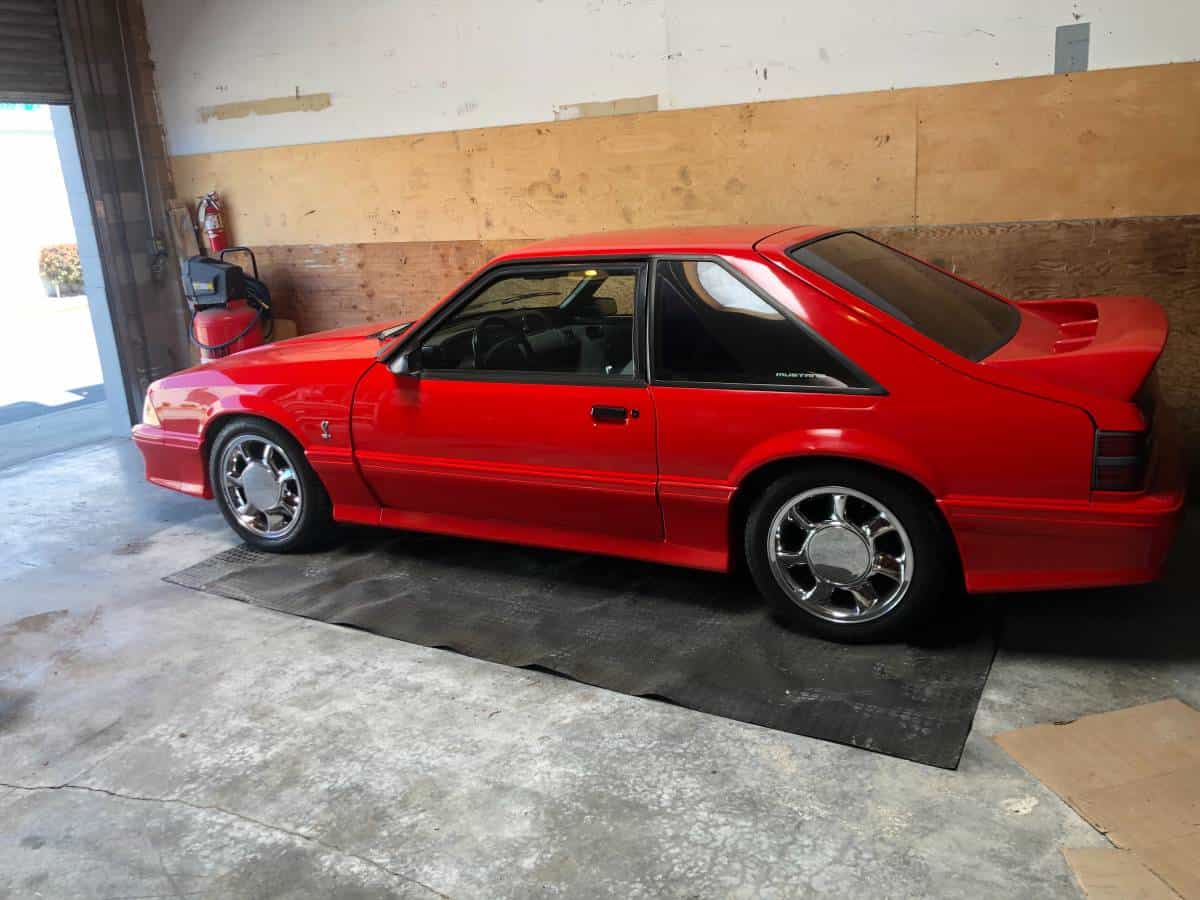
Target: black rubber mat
696	639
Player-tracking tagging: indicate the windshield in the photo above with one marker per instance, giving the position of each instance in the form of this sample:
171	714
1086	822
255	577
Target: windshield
962	318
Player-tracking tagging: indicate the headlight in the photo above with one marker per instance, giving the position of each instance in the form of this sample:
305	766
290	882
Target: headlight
149	416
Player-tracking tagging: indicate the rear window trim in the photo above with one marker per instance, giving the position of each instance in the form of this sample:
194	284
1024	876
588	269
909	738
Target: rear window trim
890	311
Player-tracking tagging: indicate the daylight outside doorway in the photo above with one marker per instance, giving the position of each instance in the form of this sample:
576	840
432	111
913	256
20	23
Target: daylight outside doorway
51	382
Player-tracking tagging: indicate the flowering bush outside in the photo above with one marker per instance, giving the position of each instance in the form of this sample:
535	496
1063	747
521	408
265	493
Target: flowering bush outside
60	269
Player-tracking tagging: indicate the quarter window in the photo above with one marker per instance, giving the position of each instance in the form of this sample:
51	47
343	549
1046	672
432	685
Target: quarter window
558	320
712	328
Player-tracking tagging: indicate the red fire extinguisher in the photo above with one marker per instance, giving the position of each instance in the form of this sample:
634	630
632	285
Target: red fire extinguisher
208	214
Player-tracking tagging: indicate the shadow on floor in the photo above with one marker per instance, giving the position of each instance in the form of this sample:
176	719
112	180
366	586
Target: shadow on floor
715	592
27	409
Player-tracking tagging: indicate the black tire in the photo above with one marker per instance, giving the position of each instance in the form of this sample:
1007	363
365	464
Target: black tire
933	562
313	525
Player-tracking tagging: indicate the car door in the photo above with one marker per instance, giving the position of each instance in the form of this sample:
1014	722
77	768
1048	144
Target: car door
525	414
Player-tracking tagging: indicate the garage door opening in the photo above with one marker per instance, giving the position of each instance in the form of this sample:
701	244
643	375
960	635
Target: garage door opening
60	383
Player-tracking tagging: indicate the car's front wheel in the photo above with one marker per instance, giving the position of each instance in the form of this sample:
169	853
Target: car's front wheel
847	553
266	489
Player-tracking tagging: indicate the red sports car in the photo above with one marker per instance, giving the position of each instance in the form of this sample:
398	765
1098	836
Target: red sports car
865	430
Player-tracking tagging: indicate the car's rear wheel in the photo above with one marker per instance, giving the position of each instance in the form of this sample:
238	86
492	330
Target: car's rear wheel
847	553
266	489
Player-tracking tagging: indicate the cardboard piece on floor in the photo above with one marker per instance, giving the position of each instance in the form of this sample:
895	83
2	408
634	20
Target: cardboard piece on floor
1135	775
1177	862
1105	873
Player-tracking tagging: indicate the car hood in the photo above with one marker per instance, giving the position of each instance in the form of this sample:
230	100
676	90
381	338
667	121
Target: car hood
356	343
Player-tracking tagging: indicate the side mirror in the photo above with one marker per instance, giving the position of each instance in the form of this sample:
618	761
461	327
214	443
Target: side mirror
407	363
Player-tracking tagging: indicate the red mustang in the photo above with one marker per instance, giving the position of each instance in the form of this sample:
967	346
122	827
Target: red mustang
867	431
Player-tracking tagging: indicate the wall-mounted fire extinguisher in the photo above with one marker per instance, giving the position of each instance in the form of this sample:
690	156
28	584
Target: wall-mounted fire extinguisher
212	222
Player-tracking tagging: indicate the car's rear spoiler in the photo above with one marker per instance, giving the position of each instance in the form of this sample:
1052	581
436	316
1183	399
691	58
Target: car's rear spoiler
1100	345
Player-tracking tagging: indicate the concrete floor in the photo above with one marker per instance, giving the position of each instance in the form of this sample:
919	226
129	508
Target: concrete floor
47	356
40	435
157	742
47	346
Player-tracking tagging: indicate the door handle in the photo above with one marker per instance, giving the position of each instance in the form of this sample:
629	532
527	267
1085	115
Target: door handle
613	413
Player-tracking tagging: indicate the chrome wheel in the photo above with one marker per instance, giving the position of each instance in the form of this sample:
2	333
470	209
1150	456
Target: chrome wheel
261	486
840	554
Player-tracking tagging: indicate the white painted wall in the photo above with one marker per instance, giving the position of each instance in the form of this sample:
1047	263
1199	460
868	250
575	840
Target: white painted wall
435	65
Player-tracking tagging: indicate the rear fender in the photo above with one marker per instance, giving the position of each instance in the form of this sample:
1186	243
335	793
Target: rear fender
703	516
839	443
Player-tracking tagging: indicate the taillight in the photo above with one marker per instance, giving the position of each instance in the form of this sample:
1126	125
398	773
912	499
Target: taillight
1119	461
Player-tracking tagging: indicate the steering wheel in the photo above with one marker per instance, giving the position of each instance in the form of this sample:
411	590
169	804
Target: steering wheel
496	333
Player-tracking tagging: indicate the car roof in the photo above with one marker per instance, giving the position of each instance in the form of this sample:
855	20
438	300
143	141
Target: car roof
714	239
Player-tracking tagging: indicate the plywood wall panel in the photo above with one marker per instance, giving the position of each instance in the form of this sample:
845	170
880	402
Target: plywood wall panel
1116	143
405	188
763	162
833	159
1122	142
333	285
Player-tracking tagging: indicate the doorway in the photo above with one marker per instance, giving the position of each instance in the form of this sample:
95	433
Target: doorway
60	381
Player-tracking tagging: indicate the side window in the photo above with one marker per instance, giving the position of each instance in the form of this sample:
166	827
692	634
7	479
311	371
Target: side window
711	328
552	320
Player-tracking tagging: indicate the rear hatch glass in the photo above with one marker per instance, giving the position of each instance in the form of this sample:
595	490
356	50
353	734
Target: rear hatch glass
962	318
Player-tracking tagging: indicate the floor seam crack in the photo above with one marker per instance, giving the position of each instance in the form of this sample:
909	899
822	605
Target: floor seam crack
179	801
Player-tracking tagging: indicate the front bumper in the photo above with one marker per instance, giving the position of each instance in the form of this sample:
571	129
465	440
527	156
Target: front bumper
173	460
1110	539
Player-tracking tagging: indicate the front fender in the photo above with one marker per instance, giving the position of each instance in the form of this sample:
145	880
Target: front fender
319	420
247	404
